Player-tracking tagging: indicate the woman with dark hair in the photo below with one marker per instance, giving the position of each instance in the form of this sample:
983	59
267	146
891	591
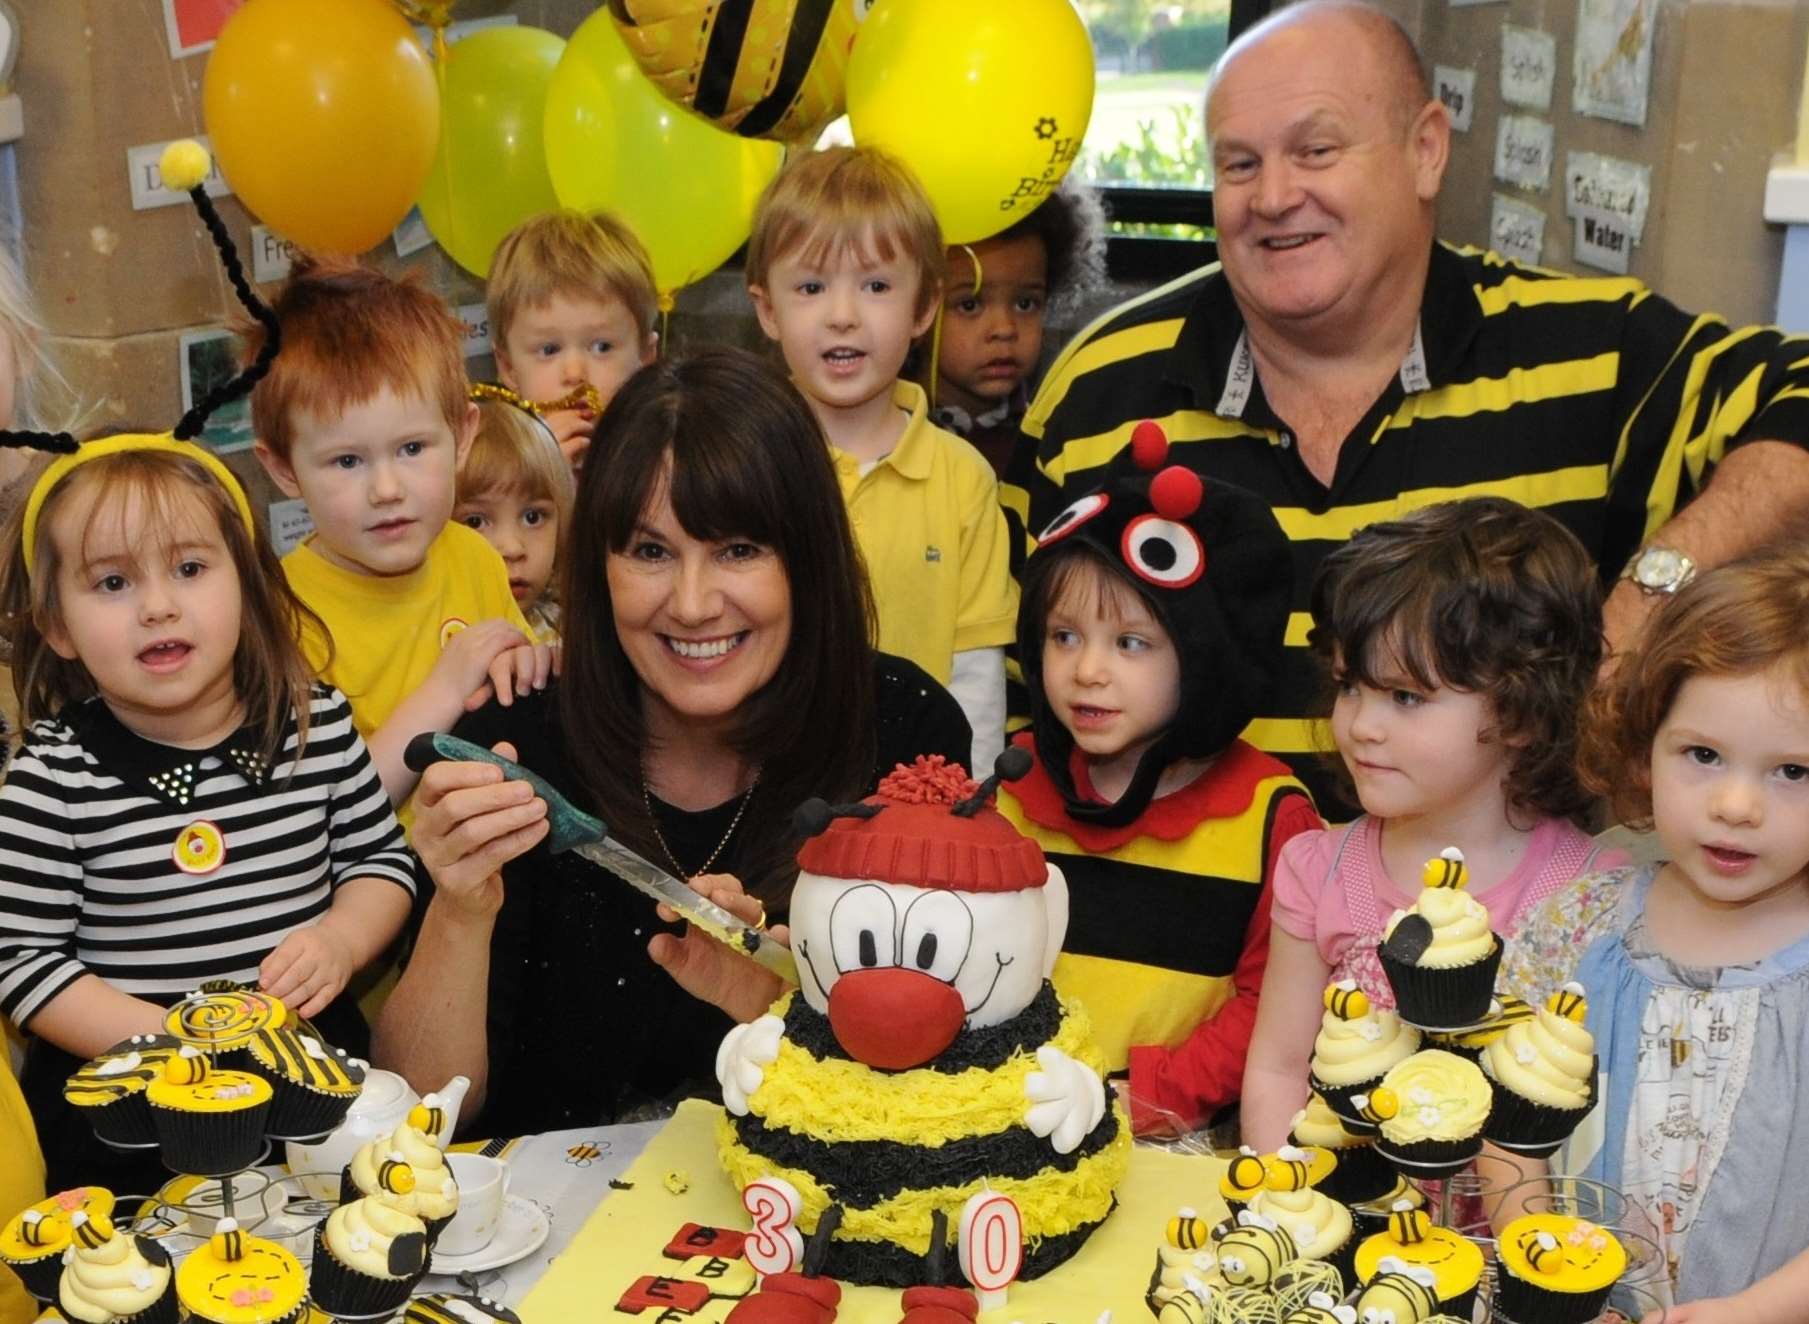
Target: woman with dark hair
718	671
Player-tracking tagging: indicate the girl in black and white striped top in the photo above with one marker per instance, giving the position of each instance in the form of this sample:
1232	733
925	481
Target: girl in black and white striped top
188	804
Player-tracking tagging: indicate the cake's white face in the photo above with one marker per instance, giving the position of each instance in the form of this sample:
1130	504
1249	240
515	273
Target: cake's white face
994	949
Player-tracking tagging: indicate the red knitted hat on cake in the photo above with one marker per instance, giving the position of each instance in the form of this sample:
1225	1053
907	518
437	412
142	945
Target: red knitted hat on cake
921	841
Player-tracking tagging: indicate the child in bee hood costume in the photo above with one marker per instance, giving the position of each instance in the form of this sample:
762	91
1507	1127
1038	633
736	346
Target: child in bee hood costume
1170	893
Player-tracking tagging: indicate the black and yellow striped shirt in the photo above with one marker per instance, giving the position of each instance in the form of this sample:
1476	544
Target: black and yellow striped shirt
1591	398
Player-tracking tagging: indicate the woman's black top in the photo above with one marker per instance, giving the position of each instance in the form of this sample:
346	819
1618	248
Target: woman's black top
583	1027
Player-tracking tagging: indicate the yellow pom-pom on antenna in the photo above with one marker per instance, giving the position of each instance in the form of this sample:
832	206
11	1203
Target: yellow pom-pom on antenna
184	164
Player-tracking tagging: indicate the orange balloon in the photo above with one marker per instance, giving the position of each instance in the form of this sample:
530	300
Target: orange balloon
324	117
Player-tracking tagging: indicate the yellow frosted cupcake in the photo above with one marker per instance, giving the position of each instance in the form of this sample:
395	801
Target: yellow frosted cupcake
109	1090
1543	1071
1318	1225
209	1122
368	1254
417	1141
1555	1269
1431	1109
1356	1045
111	1277
220	1018
1440	954
240	1279
1360	1173
1435	1260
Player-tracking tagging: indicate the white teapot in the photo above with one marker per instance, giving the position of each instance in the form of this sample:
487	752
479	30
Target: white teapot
380	1108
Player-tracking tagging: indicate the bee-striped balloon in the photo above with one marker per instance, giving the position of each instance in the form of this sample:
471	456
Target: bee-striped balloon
760	68
1187	1231
1446	869
1252	1255
1346	1001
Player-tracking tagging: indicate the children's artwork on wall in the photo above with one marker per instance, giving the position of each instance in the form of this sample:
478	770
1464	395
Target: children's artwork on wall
1614	59
1529	63
193	24
1517	229
206	360
1457	89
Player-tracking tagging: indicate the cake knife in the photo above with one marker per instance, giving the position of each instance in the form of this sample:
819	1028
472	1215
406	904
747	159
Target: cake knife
571	829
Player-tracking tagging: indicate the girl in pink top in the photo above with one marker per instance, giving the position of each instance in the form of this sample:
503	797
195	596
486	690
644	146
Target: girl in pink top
1461	641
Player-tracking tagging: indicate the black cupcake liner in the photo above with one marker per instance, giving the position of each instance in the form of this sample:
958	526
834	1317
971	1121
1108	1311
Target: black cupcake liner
163	1310
211	1144
349	1190
1463	1305
1344	1259
1442	998
125	1121
1430	1158
1535	1130
1520	1302
295	1316
39	1276
339	1289
1361	1174
299	1113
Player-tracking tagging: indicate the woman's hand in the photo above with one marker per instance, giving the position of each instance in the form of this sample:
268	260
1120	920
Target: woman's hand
711	971
469	822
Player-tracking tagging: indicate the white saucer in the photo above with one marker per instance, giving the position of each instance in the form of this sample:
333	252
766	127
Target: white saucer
520	1231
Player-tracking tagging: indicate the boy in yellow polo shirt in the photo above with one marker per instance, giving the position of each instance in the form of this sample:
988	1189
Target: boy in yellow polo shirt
365	415
845	269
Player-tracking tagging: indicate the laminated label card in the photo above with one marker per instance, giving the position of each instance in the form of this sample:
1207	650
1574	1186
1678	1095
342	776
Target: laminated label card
271	255
477	328
1523	149
1457	89
289	524
1517	229
1529	62
1603	240
1608	184
146	177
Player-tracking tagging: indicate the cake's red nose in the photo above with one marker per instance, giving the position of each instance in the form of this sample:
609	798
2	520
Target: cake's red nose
893	1018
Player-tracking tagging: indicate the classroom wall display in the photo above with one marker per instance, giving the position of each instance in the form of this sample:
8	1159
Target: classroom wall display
1529	65
1457	89
1613	64
1523	151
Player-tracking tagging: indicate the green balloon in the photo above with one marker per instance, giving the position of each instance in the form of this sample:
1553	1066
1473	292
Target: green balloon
490	173
613	143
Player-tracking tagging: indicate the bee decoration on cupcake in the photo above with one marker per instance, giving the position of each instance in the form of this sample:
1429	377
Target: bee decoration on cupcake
1446	869
1346	1001
1321	1308
1247	1172
34	1229
188	1067
1569	1003
1378	1106
91	1231
429	1116
1287	1170
395	1176
1254	1252
1407	1223
1399	1294
1186	1230
227	1242
1543	1252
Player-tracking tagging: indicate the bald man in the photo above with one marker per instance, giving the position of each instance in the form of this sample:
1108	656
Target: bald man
1345	366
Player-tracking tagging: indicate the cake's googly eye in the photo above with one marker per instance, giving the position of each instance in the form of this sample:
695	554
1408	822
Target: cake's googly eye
938	934
863	929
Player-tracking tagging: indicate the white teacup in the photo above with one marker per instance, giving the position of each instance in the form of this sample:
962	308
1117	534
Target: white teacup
483	1182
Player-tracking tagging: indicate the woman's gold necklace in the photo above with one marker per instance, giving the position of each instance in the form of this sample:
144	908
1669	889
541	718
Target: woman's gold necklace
654	822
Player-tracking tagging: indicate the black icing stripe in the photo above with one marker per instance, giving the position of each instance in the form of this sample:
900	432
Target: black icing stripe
859	1174
882	1264
807	23
722	55
989	1049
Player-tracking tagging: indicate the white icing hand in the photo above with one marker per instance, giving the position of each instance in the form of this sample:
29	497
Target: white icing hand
1067	1099
742	1059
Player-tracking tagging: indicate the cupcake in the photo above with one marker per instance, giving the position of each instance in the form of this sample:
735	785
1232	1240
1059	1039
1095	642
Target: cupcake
369	1253
1433	1264
1432	1109
313	1085
1555	1269
32	1246
109	1091
1543	1074
238	1279
209	1122
435	1198
1440	955
115	1278
1182	1256
1357	1043
1242	1179
441	1308
1254	1251
1318	1225
1360	1173
221	1017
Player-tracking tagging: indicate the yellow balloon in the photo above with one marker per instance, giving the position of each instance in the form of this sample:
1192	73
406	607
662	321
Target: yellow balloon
324	117
490	173
766	69
988	103
613	143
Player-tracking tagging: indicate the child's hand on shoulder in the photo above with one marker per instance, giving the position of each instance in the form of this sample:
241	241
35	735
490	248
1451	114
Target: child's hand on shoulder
519	670
308	969
477	662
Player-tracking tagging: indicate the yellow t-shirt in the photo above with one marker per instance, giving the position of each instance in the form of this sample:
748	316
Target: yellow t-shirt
929	526
388	630
21	1179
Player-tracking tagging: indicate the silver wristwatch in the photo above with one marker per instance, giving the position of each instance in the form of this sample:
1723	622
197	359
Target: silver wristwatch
1660	569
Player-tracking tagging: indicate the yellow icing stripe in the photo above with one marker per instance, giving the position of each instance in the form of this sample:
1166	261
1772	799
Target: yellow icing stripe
911	1107
1051	1203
